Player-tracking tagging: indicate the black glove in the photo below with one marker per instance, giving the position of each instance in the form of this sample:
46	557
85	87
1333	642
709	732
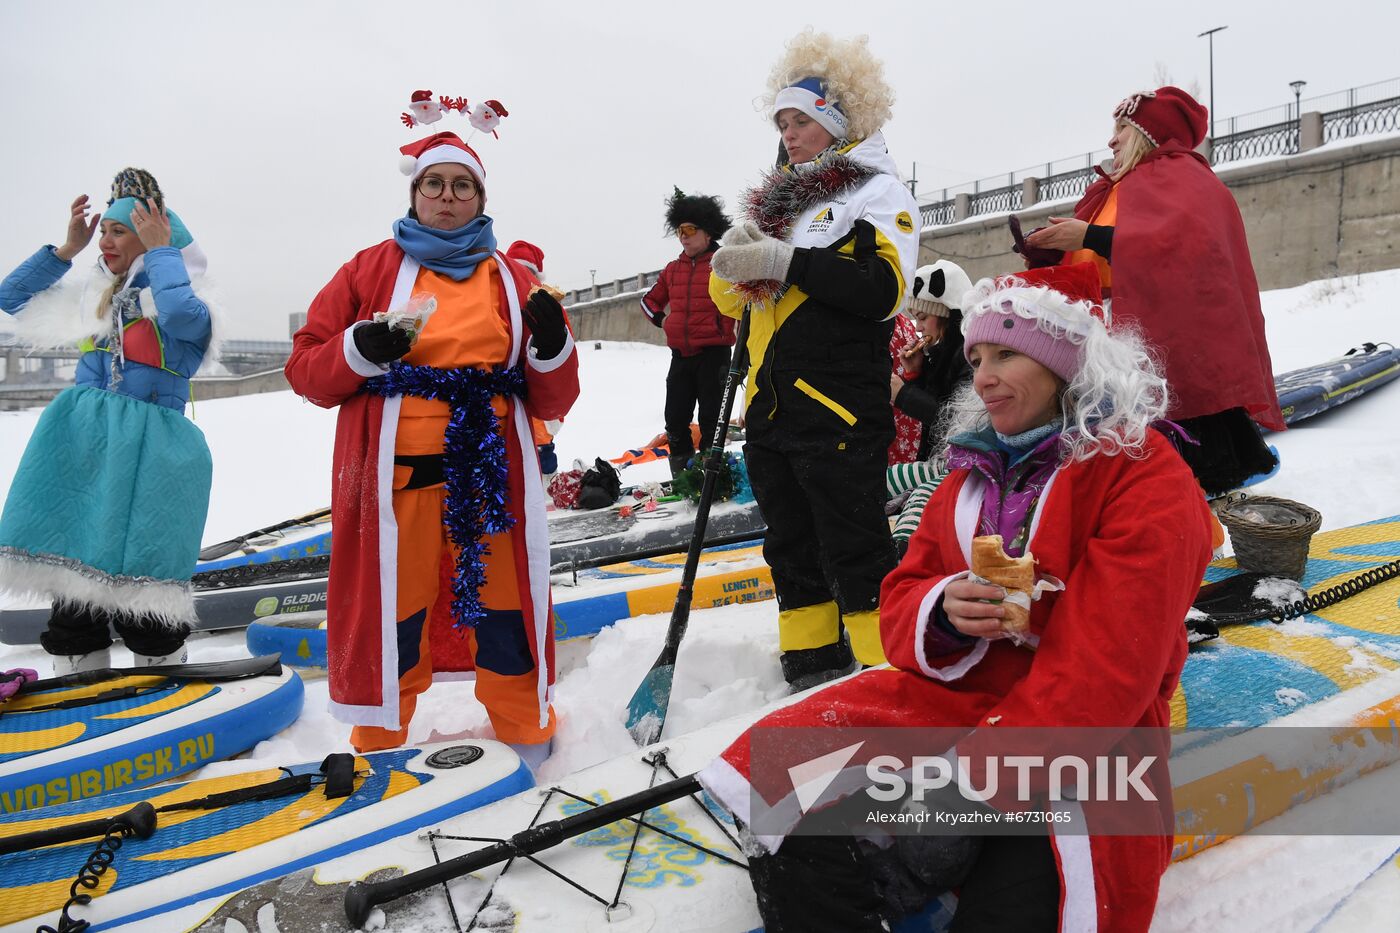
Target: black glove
545	318
380	343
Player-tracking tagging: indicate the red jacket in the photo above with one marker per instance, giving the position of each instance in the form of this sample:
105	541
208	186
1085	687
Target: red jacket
1130	540
693	322
1183	275
326	369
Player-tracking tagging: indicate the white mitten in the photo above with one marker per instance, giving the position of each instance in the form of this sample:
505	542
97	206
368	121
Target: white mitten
741	234
764	259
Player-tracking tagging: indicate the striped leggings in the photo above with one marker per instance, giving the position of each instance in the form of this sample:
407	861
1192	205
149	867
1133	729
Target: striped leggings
919	479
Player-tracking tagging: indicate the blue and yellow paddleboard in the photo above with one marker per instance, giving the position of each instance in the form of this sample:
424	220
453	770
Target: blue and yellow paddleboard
166	727
195	855
727	575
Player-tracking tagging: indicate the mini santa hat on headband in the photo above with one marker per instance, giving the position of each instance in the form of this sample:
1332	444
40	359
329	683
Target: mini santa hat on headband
436	150
1045	313
1163	114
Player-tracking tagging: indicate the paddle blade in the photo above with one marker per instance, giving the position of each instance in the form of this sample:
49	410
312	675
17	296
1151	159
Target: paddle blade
646	711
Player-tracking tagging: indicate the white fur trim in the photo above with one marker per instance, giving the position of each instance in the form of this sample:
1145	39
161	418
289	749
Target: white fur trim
354	358
441	155
1074	852
536	522
965	663
377	716
554	362
967	511
536	528
171	602
1053	312
408	164
729	788
517	324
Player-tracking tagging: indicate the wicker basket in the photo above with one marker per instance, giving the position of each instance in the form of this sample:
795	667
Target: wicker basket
1271	535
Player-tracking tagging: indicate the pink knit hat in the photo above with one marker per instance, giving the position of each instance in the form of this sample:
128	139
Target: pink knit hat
1044	313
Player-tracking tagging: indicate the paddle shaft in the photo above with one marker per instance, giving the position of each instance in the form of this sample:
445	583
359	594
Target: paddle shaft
140	818
224	548
236	669
363	896
646	713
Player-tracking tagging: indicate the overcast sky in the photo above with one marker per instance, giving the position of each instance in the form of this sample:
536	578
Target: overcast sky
273	126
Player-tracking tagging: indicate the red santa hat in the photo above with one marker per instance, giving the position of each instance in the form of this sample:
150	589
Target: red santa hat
1163	114
1045	313
528	255
421	96
436	150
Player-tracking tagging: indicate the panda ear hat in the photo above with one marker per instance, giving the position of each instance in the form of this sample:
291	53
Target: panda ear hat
938	287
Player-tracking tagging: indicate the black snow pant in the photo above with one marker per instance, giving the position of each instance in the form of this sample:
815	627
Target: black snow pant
691	381
82	629
828	537
1005	884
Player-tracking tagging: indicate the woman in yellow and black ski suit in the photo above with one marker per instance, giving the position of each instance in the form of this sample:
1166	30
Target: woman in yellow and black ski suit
823	260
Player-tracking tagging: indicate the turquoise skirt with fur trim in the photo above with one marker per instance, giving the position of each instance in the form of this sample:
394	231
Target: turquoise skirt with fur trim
108	506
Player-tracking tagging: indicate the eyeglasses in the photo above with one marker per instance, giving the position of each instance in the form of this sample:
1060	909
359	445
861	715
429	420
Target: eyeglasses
463	189
687	230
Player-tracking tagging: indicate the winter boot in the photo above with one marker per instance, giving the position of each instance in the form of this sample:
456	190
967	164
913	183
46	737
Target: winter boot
65	664
805	668
179	656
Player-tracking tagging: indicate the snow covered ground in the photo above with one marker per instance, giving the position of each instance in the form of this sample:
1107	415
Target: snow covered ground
272	460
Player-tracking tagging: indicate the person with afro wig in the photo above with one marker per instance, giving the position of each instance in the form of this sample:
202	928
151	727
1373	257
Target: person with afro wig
698	335
823	260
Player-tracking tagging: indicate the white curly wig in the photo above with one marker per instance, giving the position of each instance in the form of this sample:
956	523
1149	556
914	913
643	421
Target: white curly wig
854	77
1108	404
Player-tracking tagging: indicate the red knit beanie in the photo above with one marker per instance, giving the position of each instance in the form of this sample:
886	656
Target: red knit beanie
1163	114
528	255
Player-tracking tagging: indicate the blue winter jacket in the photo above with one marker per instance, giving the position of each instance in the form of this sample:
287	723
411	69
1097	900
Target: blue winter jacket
182	325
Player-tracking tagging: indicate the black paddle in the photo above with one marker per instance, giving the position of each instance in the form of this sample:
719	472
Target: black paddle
646	711
141	818
225	548
363	896
211	671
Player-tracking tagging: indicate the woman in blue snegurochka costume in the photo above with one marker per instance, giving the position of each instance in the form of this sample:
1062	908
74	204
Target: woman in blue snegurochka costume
105	514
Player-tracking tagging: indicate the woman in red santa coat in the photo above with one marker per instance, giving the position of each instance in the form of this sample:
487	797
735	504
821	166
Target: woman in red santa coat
438	350
1167	238
1054	449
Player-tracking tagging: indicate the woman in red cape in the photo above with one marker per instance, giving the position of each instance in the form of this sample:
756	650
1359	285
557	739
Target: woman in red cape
1167	238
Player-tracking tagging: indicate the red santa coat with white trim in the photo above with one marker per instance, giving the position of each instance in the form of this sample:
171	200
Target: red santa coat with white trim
326	369
1131	540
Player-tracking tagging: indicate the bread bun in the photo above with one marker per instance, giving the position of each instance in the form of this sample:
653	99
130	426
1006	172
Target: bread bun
1016	574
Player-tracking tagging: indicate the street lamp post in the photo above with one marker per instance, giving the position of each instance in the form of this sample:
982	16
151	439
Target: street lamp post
1210	34
1297	113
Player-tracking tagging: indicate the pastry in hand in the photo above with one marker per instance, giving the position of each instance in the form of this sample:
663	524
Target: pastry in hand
1015	574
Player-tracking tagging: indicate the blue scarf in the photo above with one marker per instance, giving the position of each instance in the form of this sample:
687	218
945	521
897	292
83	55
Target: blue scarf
454	253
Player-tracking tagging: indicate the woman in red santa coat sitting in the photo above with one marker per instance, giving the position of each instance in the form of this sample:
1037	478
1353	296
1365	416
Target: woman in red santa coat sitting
1169	244
428	343
1053	448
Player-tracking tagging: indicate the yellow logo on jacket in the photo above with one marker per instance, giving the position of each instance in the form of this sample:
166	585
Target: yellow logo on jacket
904	222
822	222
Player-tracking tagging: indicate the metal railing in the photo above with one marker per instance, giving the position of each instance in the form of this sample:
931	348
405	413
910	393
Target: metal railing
1359	111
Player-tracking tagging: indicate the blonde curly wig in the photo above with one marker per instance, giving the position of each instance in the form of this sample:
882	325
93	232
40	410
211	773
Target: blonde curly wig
854	77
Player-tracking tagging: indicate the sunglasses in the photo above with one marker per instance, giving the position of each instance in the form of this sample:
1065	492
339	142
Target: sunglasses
687	230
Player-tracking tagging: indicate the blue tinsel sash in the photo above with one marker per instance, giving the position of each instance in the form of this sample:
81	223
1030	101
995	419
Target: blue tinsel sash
474	463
